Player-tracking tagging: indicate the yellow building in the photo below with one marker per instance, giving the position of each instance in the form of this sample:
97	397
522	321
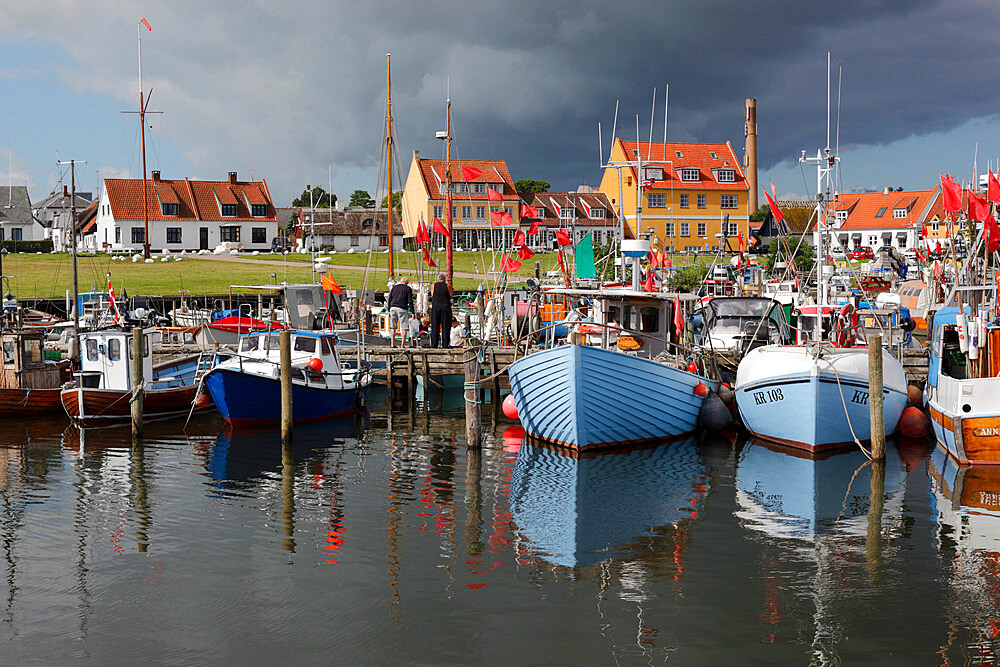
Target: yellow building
687	190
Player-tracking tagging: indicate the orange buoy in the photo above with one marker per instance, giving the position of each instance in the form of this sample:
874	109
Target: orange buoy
701	390
315	364
509	406
916	395
512	439
202	400
693	368
914	423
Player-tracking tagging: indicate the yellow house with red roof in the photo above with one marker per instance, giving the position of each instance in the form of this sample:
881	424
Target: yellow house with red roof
680	194
424	199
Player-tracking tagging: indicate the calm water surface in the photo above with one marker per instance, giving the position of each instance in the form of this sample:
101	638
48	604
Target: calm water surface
378	541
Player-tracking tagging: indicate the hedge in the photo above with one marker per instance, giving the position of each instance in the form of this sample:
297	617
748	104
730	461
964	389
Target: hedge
27	246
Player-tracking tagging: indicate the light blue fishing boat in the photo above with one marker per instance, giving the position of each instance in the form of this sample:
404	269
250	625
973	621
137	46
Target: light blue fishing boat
585	397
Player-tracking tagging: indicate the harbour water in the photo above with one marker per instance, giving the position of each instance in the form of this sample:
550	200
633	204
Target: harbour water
386	541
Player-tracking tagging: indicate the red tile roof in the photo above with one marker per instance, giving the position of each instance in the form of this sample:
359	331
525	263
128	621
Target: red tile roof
196	199
596	200
863	208
494	171
674	156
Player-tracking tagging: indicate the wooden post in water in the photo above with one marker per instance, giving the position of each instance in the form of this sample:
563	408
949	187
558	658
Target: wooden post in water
138	353
286	386
875	410
481	309
873	537
473	419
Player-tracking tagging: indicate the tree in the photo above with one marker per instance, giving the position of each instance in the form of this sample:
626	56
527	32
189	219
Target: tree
760	215
320	198
803	259
529	186
361	198
397	202
686	278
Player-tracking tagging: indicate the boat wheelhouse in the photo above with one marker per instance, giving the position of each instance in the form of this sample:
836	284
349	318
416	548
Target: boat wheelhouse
29	385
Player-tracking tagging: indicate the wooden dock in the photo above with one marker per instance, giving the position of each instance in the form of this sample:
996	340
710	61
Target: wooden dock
401	366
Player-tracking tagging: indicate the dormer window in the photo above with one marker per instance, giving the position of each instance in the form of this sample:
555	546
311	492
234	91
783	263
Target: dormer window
258	210
368	222
726	175
597	213
479	188
841	215
228	210
170	208
899	212
689	174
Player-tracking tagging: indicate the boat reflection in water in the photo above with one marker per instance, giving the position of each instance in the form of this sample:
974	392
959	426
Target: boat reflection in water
577	510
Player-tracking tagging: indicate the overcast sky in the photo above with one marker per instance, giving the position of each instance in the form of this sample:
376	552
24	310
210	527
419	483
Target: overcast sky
285	90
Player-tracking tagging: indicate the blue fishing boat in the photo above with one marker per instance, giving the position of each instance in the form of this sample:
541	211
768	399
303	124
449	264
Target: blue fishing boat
247	387
585	397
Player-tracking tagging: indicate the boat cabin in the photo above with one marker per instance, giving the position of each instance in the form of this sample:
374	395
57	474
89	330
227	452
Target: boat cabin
265	347
23	365
740	324
106	359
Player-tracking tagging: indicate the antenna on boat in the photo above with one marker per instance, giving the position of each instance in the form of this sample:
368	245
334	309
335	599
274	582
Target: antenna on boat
600	142
614	130
388	158
652	115
666	102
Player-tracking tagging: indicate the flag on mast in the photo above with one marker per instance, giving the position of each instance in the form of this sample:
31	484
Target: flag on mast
145	23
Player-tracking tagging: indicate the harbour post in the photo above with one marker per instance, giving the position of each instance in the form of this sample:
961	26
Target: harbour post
481	309
875	410
873	536
138	354
286	386
473	418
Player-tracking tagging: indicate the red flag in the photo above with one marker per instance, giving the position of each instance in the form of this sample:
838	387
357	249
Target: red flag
647	285
525	252
493	195
654	259
562	237
678	317
509	265
114	306
534	227
562	267
664	260
920	255
993	193
923	231
519	238
775	211
471	173
978	208
422	234
992	235
528	211
427	258
951	193
145	23
329	284
938	248
500	218
741	242
439	228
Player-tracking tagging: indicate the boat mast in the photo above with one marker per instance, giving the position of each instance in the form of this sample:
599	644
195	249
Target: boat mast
449	266
142	126
388	156
76	281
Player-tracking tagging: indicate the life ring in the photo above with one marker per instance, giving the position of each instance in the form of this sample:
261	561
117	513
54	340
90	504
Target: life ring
847	323
588	329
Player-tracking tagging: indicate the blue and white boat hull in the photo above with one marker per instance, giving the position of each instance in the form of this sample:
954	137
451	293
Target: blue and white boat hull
586	397
786	395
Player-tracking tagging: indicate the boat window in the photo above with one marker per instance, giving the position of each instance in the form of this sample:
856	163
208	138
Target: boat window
614	315
250	343
91	349
8	352
649	319
274	341
328	346
304	344
630	317
114	349
32	352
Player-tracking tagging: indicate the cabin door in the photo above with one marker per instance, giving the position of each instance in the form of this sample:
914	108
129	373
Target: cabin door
203	238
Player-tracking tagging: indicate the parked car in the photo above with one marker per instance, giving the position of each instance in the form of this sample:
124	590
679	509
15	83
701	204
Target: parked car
863	253
910	255
281	244
837	252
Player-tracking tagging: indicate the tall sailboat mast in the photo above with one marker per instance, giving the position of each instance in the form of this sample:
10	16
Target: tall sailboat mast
388	156
449	266
142	126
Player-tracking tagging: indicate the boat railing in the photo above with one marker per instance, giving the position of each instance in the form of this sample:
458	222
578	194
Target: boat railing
606	329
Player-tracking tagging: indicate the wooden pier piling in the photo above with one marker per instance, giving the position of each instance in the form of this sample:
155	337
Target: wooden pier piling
875	409
473	418
138	354
286	386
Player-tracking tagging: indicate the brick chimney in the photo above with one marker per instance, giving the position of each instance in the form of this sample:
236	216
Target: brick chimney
65	191
232	178
156	176
751	153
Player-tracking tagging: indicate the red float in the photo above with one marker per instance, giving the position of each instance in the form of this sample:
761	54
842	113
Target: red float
914	423
509	407
701	390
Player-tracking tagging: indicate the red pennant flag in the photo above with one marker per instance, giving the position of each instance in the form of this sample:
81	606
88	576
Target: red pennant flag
938	248
528	211
500	218
654	259
422	235
742	249
562	237
992	235
525	252
993	193
534	228
519	238
145	23
471	173
923	231
114	305
775	211
647	285
978	208
427	258
664	260
329	284
509	265
678	317
439	228
493	195
951	193
920	255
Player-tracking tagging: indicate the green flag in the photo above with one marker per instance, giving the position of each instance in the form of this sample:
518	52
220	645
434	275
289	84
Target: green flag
585	258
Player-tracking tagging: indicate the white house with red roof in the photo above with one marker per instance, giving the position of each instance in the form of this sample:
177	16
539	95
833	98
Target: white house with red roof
580	213
185	214
876	219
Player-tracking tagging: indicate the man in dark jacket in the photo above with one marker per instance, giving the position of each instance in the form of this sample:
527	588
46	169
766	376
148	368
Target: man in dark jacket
440	313
400	308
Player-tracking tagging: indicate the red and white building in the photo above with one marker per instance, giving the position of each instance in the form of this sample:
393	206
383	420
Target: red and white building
579	213
878	219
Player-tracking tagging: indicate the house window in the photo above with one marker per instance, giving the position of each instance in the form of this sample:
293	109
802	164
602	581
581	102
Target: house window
118	235
173	234
463	188
15	234
229	210
689	174
702	201
597	213
899	212
383	241
541	212
841	215
354	240
732	229
480	213
138	235
702	229
454	212
230	233
881	212
258	235
479	188
685	201
170	208
656	200
567	213
466	212
685	229
935	226
438	212
728	201
668	229
258	210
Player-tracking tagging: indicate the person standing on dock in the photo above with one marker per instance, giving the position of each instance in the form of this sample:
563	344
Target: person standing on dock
400	309
441	313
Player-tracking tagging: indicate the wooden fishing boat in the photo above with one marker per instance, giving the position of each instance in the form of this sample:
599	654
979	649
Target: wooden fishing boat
102	390
29	385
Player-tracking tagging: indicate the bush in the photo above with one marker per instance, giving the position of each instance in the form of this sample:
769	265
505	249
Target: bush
686	279
28	246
